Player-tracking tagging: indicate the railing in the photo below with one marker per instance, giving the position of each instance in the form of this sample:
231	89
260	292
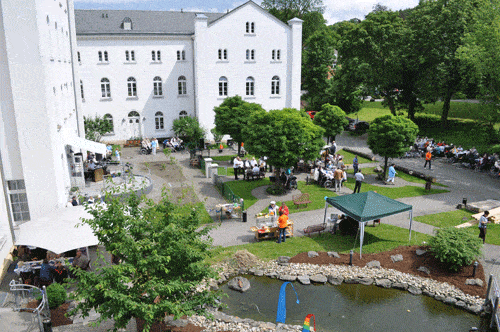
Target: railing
25	293
227	192
493	298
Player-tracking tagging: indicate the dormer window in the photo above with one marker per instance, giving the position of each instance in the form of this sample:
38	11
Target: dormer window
127	23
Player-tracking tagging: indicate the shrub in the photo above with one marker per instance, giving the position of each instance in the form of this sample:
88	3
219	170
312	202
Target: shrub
56	294
275	190
455	247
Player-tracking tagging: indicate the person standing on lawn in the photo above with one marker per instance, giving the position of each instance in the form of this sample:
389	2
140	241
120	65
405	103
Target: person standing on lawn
392	174
284	208
482	225
282	224
428	157
359	179
338	175
355	164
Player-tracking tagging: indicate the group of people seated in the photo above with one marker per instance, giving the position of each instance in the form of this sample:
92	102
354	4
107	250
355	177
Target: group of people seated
249	168
174	143
51	269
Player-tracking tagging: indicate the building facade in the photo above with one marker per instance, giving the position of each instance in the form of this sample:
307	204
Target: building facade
38	110
142	70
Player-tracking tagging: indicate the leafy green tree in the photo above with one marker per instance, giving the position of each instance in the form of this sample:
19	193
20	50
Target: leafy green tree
96	127
481	50
288	9
232	116
284	136
162	261
455	247
190	130
391	136
332	119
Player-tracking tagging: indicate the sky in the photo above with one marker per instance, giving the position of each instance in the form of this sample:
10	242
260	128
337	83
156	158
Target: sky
335	10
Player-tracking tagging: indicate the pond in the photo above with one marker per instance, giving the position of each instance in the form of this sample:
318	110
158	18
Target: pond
349	308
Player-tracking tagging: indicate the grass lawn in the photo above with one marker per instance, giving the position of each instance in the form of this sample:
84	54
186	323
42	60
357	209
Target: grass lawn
244	189
377	239
454	218
395	192
445	219
349	157
316	194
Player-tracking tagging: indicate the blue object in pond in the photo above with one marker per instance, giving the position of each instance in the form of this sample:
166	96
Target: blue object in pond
281	315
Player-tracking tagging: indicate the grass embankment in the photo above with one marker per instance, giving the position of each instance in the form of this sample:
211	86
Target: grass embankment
463	128
455	218
395	192
377	239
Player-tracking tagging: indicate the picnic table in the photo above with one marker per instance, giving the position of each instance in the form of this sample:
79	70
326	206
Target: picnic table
271	232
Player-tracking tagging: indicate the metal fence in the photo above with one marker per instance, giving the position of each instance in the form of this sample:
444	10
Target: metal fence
227	192
493	297
24	293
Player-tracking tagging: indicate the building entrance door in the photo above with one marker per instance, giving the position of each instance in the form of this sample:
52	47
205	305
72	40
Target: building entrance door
134	124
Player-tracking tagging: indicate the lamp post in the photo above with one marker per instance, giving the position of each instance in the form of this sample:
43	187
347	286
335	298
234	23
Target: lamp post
351	253
476	264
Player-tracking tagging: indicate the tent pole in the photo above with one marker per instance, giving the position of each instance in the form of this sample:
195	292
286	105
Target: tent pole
361	236
411	221
326	208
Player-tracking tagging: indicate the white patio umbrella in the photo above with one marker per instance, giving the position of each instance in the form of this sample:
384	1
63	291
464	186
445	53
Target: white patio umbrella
58	231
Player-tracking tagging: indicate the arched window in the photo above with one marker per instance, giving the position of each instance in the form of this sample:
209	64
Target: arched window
247	30
106	56
132	55
183	114
105	88
159	121
278	54
252	27
248	55
81	90
275	85
100	56
181	85
108	117
127	56
223	86
178	55
250	85
132	87
252	55
157	87
220	54
273	54
153	55
158	56
133	117
183	55
225	54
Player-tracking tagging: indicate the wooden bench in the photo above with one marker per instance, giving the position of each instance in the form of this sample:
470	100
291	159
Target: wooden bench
315	229
302	199
253	176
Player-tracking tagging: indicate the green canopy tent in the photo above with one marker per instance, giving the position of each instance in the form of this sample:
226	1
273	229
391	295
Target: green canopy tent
365	207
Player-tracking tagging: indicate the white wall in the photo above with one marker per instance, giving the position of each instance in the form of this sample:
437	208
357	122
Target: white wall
144	70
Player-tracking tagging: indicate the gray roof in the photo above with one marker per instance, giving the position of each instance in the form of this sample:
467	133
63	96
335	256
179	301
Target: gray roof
92	22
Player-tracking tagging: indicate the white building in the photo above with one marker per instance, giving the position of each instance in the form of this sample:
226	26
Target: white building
143	69
39	114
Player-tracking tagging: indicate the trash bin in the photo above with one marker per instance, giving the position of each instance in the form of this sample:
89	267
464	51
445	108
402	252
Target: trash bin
47	325
244	216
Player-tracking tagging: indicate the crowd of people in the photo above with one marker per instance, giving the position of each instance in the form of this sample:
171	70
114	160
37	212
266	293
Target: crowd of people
249	167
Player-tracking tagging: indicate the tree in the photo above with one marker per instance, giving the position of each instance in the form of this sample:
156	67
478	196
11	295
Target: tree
391	136
284	136
162	254
232	116
289	9
96	127
332	119
481	50
190	130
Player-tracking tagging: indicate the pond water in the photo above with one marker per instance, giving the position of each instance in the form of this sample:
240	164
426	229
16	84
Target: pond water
349	308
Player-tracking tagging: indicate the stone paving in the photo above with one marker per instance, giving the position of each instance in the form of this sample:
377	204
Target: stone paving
462	183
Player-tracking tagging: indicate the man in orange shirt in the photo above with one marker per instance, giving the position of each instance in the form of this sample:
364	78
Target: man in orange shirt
282	224
428	157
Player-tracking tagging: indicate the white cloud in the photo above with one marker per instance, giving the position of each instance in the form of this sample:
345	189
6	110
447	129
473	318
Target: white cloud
336	11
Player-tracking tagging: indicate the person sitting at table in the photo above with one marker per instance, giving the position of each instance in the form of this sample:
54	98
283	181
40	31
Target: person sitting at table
272	210
60	273
256	170
284	208
81	261
46	271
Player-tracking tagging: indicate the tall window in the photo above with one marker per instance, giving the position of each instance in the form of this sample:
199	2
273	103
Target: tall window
275	85
183	114
222	54
222	86
18	200
159	121
181	85
157	86
250	27
250	55
178	55
100	56
79	58
250	85
153	55
278	54
156	56
108	117
105	88
132	56
127	56
132	87
106	56
183	55
81	89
